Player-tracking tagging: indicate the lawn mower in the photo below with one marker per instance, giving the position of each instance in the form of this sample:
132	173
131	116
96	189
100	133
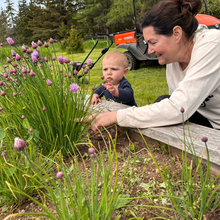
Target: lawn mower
103	51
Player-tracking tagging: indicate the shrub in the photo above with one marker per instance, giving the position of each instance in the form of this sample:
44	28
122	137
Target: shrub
74	43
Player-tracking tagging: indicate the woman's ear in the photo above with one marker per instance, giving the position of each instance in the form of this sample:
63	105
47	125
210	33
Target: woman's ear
177	33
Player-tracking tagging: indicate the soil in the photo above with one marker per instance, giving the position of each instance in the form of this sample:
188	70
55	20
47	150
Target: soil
145	172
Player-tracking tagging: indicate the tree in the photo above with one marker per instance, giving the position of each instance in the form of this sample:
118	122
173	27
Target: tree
10	12
74	43
48	17
3	27
213	7
22	29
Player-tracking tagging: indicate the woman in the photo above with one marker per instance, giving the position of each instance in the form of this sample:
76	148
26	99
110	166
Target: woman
192	61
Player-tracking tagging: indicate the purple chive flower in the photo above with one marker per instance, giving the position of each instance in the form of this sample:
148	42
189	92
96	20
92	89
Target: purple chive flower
1	44
23	117
182	110
15	134
53	58
29	51
3	93
74	88
83	66
10	41
93	88
69	75
102	77
49	83
24	48
44	108
204	139
1	83
32	73
89	62
17	57
91	150
60	59
14	94
3	154
25	78
1	108
46	44
39	43
34	59
19	144
65	75
13	53
14	64
30	129
86	70
66	60
75	72
59	175
23	70
35	54
8	60
45	58
51	40
93	155
74	63
34	45
5	75
61	70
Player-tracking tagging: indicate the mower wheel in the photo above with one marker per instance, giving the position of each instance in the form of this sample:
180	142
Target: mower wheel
133	63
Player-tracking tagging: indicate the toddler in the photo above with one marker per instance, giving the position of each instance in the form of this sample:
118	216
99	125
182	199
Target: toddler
115	87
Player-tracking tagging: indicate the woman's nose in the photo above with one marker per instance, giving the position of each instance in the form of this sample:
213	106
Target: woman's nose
150	49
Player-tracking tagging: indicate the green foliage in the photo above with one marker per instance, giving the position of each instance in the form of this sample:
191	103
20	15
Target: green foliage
40	19
16	172
74	43
189	198
52	112
3	27
213	7
84	192
63	31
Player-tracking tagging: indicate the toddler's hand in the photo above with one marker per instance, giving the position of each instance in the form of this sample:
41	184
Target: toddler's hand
112	89
95	99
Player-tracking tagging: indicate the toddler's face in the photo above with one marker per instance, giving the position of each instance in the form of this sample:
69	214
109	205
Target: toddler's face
113	70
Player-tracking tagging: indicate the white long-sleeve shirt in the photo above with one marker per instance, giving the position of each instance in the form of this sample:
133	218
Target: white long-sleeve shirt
197	88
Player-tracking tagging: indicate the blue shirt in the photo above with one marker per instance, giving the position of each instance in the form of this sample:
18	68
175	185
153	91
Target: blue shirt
126	93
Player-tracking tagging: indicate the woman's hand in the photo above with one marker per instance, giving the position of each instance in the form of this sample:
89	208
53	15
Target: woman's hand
103	120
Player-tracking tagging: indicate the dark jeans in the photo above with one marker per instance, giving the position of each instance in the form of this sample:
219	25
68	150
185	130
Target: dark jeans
196	118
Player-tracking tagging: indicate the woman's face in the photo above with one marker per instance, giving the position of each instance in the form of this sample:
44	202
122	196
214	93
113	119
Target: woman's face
163	47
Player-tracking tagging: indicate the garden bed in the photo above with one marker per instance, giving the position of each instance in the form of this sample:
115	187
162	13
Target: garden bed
146	179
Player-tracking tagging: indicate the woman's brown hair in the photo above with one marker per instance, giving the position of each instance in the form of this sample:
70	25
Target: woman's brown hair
167	14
